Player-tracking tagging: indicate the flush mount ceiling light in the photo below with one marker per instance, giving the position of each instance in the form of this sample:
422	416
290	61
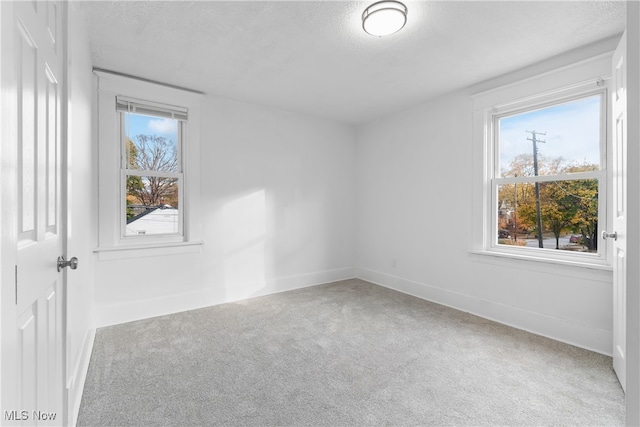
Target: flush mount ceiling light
384	18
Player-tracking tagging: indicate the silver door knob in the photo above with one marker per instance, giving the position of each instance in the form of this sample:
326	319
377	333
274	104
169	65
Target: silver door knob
613	235
72	263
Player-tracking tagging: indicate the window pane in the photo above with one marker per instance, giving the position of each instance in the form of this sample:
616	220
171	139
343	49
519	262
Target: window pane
151	143
566	136
152	205
568	215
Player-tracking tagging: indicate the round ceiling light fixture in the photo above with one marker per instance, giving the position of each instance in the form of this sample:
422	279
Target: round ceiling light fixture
384	18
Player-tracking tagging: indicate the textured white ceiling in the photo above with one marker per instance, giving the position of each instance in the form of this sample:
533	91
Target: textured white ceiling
313	57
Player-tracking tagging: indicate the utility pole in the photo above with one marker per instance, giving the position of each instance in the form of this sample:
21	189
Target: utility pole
537	184
515	210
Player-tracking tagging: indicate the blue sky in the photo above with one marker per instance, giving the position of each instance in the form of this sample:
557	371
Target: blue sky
147	125
572	132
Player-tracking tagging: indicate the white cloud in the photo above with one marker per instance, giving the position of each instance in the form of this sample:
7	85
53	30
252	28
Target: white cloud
163	125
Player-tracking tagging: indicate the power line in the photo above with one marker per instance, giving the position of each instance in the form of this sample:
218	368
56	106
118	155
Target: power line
573	195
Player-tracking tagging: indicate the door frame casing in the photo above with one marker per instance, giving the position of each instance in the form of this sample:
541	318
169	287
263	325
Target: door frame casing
633	215
619	207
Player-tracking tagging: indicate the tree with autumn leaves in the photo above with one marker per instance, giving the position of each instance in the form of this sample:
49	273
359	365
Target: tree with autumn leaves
567	206
151	153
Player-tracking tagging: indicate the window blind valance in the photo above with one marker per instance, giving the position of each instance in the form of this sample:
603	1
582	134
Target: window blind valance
130	105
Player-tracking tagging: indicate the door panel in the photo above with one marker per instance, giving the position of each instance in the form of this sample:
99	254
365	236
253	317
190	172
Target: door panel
27	84
28	367
52	152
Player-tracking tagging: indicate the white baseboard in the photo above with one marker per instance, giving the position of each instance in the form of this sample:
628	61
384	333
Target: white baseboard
563	330
113	314
75	385
580	335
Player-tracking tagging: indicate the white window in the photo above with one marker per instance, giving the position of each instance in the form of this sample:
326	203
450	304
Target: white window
148	166
545	169
152	177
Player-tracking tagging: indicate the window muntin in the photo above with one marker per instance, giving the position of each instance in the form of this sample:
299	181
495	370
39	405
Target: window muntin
570	176
152	172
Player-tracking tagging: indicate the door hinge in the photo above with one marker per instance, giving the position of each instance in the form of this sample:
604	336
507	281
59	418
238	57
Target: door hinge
16	276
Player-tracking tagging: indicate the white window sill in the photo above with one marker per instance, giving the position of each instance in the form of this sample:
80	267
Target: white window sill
147	250
557	266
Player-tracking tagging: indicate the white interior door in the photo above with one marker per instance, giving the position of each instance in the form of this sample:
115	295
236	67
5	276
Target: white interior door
619	110
36	53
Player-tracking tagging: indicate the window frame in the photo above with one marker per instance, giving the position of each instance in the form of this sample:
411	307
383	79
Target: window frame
112	243
587	78
496	180
126	171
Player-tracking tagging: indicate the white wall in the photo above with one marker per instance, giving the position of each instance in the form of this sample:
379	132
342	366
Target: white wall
277	206
415	188
81	211
278	193
288	200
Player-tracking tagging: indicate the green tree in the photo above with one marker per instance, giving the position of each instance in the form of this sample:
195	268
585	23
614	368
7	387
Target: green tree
134	183
566	206
521	197
584	196
557	209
